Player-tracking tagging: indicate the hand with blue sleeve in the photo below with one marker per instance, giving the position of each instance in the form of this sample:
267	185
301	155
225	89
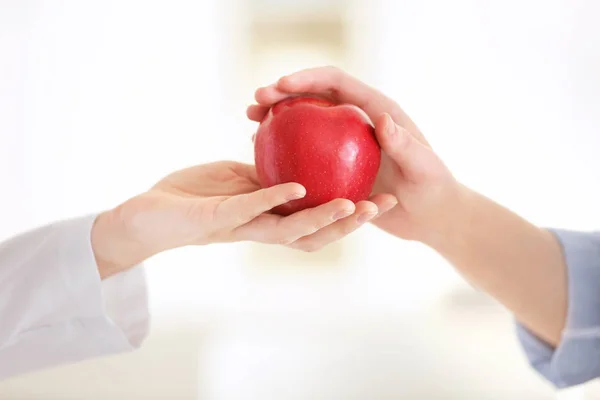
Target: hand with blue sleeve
548	279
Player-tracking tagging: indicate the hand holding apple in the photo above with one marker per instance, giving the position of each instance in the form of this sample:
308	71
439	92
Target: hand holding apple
328	148
409	170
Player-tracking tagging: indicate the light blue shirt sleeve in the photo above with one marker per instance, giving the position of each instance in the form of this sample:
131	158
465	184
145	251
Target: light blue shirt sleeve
577	358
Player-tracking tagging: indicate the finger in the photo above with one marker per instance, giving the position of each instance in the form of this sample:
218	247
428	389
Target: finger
269	95
269	228
247	171
384	202
325	80
403	148
365	211
256	112
239	210
344	87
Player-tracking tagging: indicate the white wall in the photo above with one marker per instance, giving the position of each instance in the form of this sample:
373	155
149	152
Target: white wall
508	92
104	98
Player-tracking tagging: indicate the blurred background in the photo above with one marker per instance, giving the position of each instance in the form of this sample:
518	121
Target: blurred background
100	99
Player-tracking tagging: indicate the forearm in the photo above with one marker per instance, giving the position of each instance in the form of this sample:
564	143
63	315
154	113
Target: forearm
521	265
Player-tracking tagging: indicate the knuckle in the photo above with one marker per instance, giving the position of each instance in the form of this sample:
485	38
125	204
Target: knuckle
336	75
211	212
402	140
318	224
315	223
315	227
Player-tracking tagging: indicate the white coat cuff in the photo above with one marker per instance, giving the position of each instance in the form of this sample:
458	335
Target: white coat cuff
122	298
64	313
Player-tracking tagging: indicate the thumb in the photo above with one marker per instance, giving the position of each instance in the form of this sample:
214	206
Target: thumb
243	208
411	156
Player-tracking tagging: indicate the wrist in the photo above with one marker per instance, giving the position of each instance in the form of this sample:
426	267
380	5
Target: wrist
449	226
113	250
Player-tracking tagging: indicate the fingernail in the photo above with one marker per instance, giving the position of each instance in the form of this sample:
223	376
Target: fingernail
390	125
392	205
295	196
364	217
341	214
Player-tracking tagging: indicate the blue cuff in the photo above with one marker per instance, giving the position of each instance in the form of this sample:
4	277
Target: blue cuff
577	358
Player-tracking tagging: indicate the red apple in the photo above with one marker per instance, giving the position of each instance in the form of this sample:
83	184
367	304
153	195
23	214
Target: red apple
328	148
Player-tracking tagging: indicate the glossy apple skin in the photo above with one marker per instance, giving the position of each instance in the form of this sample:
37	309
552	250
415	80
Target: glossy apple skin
328	148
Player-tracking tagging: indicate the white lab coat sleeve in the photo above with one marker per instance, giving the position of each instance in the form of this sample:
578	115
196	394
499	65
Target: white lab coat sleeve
55	309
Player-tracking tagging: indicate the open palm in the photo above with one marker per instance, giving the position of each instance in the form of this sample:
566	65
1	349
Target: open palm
223	202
